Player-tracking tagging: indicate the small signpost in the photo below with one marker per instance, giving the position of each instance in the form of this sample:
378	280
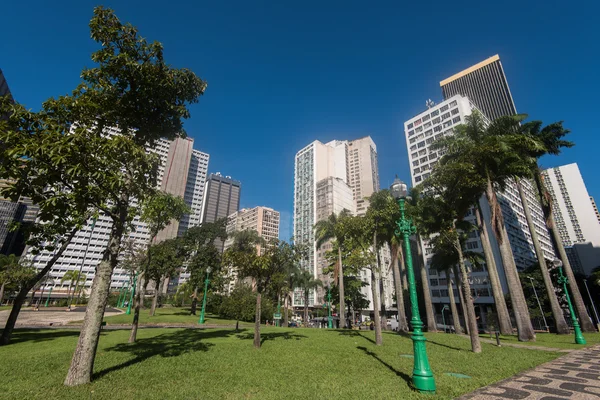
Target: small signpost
276	316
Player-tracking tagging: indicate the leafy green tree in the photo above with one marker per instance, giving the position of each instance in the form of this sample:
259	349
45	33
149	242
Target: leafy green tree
9	271
132	88
75	278
307	282
166	258
157	212
331	229
493	152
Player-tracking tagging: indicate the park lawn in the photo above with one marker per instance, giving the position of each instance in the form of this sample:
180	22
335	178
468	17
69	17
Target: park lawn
222	364
169	315
552	340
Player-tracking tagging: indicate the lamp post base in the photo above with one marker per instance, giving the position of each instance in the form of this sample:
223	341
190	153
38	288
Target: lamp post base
579	339
422	376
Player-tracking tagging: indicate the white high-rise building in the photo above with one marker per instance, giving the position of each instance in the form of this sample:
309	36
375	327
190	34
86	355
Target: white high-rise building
182	172
421	131
575	216
327	179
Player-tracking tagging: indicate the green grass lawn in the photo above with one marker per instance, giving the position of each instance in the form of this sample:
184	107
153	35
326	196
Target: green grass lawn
552	340
222	364
173	315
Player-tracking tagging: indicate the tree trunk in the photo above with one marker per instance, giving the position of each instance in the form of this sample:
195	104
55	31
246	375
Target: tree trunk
82	364
257	322
2	292
470	318
381	295
396	255
504	323
403	266
285	310
157	286
559	318
461	297
455	317
524	326
342	310
137	299
22	295
375	293
584	318
431	325
194	301
306	307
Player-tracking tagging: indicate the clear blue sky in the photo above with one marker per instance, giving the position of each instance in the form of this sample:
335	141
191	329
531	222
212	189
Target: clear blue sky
280	76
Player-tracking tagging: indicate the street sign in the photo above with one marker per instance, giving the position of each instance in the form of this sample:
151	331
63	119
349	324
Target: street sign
276	316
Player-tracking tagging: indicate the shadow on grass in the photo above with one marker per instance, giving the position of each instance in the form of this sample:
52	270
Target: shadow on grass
355	334
170	344
402	375
442	345
271	336
40	335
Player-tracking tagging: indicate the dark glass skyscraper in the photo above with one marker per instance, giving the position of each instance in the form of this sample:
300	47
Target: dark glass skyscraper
221	199
485	85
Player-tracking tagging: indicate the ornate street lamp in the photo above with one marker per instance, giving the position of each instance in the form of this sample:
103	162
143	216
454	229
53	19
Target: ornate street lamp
563	280
422	375
206	282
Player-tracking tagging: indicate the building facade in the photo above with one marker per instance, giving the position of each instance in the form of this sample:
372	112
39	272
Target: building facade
595	208
85	250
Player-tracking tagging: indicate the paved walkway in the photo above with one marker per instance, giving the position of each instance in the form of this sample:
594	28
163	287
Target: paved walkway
573	376
51	316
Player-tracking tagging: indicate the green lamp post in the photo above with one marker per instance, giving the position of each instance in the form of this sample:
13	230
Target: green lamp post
206	282
329	319
563	280
422	375
48	298
128	312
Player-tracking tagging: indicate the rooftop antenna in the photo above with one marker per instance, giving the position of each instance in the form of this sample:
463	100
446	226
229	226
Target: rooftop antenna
429	103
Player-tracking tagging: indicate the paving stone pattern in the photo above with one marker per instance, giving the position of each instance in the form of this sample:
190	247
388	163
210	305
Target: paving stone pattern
574	376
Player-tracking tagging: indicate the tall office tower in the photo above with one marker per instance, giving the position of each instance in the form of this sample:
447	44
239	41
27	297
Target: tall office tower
485	85
595	208
221	199
575	216
263	220
328	178
86	249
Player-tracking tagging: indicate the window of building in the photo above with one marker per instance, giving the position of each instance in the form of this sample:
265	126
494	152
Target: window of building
413	155
444	108
435	293
445	116
426	118
454	111
456	120
432	156
411	141
429	133
436	121
420	145
437	128
419	129
422	152
423	160
447	123
434	113
418	179
415	163
409	126
429	140
410	133
433	282
416	171
453	103
413	147
417	122
427	125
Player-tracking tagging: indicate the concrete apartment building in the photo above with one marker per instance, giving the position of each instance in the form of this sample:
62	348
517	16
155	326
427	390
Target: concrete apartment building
263	220
221	199
328	178
595	208
575	216
182	172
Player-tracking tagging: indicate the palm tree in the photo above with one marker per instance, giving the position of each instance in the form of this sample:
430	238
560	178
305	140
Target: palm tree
74	278
329	229
493	151
307	282
397	258
551	138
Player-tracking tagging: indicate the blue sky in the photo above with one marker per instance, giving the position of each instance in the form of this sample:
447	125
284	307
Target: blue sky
281	75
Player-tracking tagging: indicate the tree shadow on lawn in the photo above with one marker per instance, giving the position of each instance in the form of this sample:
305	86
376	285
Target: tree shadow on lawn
271	336
170	344
408	335
402	375
40	335
355	334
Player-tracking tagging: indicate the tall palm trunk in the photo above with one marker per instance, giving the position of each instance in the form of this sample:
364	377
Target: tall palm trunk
524	326
342	310
257	322
138	298
157	286
2	292
470	318
403	266
452	299
431	326
557	312
306	293
584	318
504	323
375	293
396	256
285	310
461	297
381	295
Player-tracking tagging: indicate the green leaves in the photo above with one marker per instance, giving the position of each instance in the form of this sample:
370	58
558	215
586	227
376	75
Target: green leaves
160	209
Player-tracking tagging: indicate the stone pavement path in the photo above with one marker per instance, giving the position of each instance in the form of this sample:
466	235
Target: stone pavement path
573	376
51	316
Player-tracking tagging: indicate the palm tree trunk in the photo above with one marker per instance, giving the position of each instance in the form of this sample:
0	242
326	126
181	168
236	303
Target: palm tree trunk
194	302
381	295
402	323
341	290
257	322
504	323
455	317
285	310
155	298
461	297
470	318
375	293
584	318
403	266
2	292
557	312
138	298
431	326
524	326
306	307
